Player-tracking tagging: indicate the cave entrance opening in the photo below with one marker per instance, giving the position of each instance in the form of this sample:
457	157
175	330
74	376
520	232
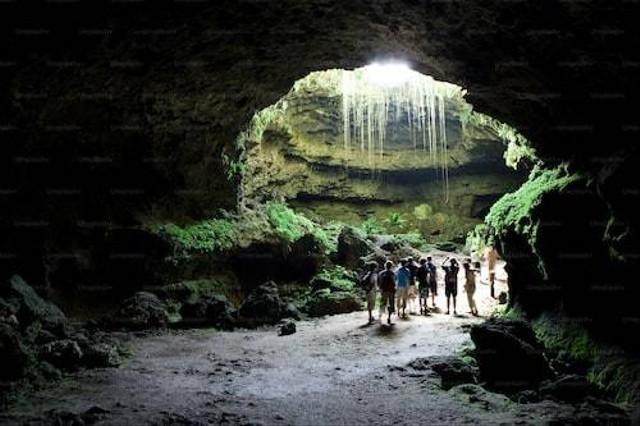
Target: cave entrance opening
383	148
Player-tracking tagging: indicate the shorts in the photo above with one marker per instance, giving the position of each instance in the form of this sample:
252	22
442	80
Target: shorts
424	292
451	289
433	287
412	292
371	300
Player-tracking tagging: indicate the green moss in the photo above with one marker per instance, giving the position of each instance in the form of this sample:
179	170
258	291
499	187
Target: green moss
477	239
339	278
515	212
611	369
371	225
290	225
209	236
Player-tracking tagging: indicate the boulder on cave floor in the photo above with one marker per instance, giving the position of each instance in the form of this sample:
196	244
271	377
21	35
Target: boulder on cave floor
14	355
325	302
141	311
352	246
571	388
484	399
454	371
21	300
263	304
64	354
214	309
509	356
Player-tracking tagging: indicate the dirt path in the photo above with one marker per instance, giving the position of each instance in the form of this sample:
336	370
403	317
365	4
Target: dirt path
335	370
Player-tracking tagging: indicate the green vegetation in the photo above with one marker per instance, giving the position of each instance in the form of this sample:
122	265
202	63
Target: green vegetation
477	239
337	278
423	211
395	219
515	212
234	168
290	225
371	225
518	147
209	236
611	369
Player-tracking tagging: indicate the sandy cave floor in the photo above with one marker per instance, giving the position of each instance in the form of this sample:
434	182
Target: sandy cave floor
334	370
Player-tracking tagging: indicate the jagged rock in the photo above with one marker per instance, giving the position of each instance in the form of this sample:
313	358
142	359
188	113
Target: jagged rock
14	355
352	245
263	303
286	328
526	397
100	354
503	347
571	388
143	310
306	257
324	302
290	311
477	395
453	372
65	354
215	308
32	308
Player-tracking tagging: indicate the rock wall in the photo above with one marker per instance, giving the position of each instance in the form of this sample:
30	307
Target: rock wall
115	114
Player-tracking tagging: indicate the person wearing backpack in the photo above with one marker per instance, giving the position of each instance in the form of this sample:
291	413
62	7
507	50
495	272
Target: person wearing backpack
422	274
387	282
369	284
451	282
432	280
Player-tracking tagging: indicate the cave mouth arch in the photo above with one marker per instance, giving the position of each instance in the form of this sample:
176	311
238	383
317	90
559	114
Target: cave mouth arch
380	147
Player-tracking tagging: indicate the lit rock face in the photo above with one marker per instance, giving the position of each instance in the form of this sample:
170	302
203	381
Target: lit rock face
416	150
120	113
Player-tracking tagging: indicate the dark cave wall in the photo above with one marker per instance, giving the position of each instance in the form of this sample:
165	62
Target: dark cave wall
116	114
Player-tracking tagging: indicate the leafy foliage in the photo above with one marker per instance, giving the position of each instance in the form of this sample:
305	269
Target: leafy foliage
290	225
395	219
205	237
371	225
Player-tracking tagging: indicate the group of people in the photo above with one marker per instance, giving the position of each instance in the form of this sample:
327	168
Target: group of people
400	285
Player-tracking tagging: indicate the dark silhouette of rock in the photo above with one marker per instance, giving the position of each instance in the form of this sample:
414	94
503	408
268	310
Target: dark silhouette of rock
286	328
290	311
571	388
454	371
101	354
216	309
29	307
263	303
142	311
509	357
352	245
64	354
324	302
14	355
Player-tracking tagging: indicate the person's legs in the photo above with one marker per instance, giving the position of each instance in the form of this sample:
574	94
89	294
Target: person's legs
454	304
492	281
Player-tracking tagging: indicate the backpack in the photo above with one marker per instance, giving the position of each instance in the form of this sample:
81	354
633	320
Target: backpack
365	282
386	281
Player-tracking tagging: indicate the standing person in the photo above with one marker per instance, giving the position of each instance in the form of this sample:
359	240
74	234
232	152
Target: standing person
470	286
491	257
422	274
403	275
432	276
412	293
370	286
451	282
387	282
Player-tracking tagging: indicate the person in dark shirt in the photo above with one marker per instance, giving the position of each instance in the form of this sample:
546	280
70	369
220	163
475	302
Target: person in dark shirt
387	283
451	282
